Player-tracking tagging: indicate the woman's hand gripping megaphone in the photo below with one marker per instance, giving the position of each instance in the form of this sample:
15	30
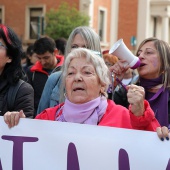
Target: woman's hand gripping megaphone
118	71
126	60
120	50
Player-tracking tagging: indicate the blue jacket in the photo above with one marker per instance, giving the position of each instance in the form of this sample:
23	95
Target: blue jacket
51	93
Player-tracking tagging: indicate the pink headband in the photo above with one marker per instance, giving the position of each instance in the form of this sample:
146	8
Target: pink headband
4	28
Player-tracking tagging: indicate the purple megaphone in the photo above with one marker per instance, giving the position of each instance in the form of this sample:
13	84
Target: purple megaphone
120	50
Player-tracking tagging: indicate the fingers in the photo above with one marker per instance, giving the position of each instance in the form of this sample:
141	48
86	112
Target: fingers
12	118
21	114
163	133
7	118
135	96
134	88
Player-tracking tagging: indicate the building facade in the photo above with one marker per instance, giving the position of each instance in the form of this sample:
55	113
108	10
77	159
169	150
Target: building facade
132	20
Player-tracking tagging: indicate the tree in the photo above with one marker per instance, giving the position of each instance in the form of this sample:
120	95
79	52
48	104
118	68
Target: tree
60	22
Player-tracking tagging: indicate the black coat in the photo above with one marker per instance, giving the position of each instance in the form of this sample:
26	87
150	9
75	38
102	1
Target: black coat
24	99
37	80
37	77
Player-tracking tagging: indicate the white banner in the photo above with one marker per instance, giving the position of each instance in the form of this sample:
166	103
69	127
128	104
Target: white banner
49	145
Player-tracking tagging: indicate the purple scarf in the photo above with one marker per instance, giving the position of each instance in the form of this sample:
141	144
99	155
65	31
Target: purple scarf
158	101
86	113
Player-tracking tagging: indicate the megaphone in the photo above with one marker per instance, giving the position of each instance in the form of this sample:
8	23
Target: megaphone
120	50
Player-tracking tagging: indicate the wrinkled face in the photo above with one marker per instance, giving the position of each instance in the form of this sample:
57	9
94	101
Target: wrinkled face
150	61
78	42
48	60
82	82
4	59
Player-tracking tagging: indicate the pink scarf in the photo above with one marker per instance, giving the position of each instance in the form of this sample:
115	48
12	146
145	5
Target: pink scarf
87	113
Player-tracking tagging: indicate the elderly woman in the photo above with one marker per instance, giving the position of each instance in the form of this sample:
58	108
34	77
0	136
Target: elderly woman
86	79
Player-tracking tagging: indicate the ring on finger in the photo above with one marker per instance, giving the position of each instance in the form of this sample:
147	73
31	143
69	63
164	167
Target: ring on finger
134	90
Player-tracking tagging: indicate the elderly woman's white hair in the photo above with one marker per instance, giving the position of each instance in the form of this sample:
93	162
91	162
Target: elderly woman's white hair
92	57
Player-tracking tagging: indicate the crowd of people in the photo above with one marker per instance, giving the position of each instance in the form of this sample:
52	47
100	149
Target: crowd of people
71	81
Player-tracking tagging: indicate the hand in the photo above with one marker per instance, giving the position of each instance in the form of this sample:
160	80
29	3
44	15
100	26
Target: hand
119	69
136	96
12	118
163	132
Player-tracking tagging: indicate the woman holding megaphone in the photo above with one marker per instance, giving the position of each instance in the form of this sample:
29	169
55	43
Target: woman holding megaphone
154	77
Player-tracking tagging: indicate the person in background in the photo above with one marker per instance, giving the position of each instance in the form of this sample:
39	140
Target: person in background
109	60
31	57
130	77
86	79
31	54
11	73
23	59
60	45
48	61
82	36
154	76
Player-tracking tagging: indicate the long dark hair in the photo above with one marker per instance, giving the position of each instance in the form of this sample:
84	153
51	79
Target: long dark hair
12	71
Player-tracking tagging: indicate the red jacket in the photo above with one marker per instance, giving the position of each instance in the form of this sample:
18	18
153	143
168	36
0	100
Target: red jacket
115	116
38	66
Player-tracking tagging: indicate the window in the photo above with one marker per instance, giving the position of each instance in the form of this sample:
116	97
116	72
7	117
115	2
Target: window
102	25
154	26
36	25
1	15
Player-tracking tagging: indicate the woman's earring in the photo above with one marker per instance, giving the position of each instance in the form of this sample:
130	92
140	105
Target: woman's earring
102	92
65	95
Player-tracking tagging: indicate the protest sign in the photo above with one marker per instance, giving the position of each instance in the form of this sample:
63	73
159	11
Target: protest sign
51	145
